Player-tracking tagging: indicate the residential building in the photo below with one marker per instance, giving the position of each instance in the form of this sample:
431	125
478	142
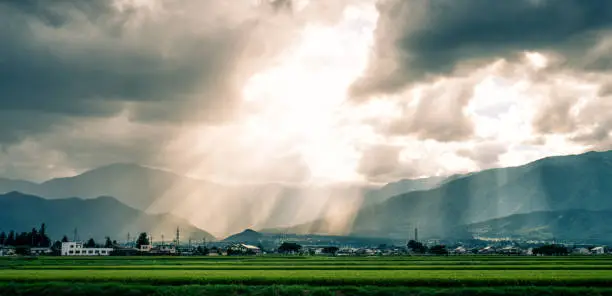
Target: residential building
77	249
163	250
146	248
40	251
245	249
598	251
510	251
7	251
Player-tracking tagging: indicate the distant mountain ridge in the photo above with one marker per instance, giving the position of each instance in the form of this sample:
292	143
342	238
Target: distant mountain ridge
582	225
247	236
97	218
235	207
574	182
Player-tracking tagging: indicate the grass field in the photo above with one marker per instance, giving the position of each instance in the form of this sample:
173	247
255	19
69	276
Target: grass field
469	275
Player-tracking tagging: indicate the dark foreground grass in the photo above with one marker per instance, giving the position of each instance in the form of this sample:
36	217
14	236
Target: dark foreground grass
420	278
114	289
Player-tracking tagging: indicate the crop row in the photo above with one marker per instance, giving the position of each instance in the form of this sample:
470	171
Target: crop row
314	267
423	278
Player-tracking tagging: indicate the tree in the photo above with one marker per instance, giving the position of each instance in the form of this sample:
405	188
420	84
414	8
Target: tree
23	239
10	239
143	240
202	251
2	238
44	240
56	248
108	243
417	247
438	250
551	250
289	248
33	238
330	250
65	239
90	243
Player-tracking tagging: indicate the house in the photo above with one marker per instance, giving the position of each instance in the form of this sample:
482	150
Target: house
244	249
145	248
459	251
125	251
163	250
510	251
598	251
77	249
581	251
40	251
7	251
488	250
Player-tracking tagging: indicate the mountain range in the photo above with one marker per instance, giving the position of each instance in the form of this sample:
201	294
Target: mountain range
92	218
218	208
575	186
575	225
553	184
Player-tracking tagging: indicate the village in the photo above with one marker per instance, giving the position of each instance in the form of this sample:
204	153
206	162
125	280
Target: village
412	248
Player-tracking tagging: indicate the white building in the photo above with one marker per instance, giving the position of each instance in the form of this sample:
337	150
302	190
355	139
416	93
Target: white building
7	251
40	251
77	249
598	251
245	249
146	248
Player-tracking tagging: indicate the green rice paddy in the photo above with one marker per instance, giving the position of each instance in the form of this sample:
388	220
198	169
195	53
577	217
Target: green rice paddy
492	275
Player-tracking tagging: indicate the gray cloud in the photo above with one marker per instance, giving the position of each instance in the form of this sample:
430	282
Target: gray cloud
555	115
438	114
417	39
605	90
485	155
586	122
381	163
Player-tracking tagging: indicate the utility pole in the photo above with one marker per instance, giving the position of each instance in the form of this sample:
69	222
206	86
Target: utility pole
128	242
178	235
416	234
76	235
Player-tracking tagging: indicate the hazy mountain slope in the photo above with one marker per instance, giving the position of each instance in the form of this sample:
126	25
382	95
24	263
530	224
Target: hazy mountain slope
563	225
134	185
97	218
550	184
217	208
379	195
8	185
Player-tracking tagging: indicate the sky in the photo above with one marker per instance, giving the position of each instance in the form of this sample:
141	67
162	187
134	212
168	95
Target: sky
304	91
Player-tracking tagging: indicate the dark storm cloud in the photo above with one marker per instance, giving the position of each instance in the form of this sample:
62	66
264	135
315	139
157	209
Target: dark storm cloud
418	39
63	56
94	58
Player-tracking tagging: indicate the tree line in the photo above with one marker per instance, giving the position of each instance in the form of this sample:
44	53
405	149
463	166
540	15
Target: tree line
34	238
